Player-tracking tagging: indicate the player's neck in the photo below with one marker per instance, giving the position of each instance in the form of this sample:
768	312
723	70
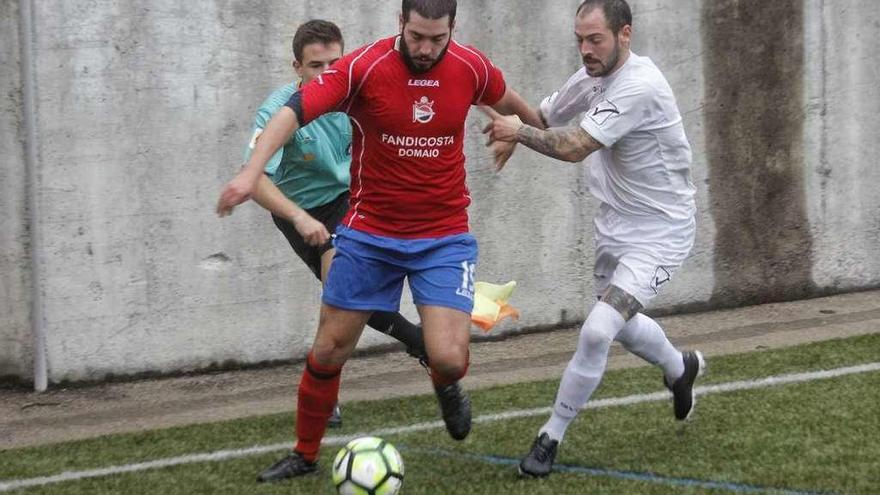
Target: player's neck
621	62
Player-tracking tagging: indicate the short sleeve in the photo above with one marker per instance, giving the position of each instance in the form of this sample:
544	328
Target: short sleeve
262	118
495	88
273	163
490	81
563	105
329	90
620	112
548	110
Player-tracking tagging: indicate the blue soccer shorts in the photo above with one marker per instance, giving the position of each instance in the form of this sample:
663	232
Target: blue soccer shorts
368	271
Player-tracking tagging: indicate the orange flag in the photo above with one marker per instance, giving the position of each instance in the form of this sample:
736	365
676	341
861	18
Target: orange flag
490	304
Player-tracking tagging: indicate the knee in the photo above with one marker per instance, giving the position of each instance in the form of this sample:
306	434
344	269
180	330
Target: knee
592	352
593	337
449	370
450	363
593	341
330	352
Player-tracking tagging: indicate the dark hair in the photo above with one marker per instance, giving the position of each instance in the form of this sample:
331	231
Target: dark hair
617	12
430	9
315	31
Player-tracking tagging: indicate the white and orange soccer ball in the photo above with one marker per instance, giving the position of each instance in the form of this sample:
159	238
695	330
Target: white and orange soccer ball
368	466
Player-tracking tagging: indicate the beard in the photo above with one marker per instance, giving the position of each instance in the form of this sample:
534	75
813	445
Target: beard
411	63
609	65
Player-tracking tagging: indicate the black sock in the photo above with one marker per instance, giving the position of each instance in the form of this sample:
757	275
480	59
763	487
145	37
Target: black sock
395	325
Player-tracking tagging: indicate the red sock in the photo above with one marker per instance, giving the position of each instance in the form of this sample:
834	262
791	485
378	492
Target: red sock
440	380
318	392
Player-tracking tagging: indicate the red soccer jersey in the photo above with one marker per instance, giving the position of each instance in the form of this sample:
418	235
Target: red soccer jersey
407	167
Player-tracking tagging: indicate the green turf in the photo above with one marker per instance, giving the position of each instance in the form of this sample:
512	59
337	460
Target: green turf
819	436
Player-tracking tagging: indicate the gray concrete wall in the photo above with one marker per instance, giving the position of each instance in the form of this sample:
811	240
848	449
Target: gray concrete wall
842	144
754	69
15	284
143	108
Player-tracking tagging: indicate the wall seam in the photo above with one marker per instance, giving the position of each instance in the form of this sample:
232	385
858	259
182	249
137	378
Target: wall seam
823	113
29	118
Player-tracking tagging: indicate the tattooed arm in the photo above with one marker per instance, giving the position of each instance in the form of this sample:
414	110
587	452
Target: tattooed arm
571	144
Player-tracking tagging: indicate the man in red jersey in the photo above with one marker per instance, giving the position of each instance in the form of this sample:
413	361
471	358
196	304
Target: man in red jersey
407	97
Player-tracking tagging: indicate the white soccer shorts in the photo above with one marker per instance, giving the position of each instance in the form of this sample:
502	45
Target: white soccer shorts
638	254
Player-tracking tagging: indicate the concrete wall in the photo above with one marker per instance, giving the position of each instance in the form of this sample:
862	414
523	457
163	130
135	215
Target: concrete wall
143	108
841	107
15	283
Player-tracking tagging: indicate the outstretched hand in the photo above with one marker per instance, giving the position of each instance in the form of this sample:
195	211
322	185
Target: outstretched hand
501	151
236	192
502	147
502	127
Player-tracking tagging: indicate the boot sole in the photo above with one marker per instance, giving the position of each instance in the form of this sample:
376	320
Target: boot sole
701	370
526	474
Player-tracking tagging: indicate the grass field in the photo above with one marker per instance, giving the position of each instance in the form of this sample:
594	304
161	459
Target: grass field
818	436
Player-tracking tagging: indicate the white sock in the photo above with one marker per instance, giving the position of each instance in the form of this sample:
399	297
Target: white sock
584	371
643	337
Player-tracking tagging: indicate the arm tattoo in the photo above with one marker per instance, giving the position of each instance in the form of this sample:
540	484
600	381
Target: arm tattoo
624	303
571	144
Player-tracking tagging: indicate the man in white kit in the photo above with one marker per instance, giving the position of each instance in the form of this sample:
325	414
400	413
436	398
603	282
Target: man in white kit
639	162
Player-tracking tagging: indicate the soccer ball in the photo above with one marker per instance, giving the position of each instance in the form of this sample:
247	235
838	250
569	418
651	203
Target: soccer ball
368	466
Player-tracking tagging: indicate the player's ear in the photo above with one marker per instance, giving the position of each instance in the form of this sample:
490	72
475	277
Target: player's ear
400	21
626	34
298	68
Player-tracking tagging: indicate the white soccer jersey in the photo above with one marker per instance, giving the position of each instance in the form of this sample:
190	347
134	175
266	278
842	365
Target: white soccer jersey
644	168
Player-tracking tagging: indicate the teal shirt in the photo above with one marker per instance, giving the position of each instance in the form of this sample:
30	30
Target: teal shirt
312	169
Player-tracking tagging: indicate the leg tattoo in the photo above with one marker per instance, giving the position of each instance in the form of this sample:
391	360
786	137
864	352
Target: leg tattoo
623	302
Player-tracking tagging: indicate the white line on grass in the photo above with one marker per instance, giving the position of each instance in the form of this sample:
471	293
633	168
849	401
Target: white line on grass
222	455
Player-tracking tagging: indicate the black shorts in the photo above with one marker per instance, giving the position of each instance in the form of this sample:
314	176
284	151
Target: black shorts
331	215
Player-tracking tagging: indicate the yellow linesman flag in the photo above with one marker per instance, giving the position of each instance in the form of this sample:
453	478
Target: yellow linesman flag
490	304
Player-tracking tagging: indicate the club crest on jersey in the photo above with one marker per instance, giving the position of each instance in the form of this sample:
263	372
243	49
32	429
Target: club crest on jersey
423	110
